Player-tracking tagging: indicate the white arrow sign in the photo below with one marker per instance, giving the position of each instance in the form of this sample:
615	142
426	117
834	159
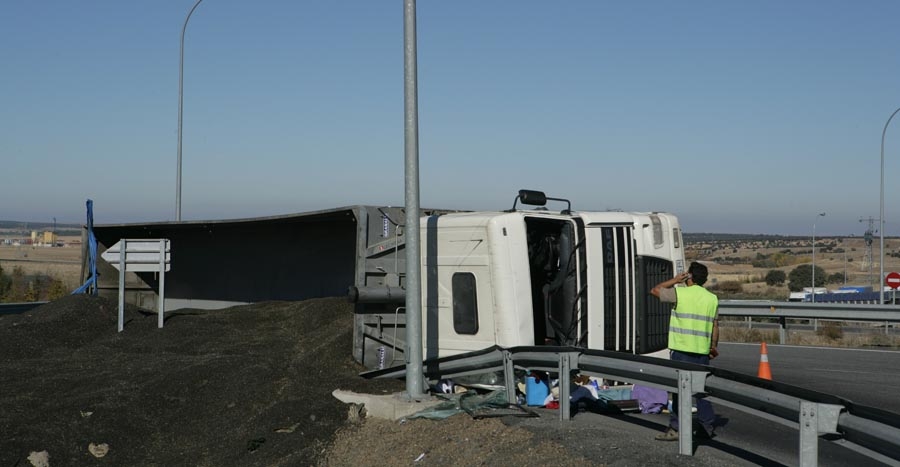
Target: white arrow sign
141	255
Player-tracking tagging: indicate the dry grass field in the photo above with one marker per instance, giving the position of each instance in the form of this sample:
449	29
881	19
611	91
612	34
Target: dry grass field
731	260
63	263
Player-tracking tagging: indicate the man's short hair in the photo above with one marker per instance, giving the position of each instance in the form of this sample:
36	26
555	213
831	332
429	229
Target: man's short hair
699	273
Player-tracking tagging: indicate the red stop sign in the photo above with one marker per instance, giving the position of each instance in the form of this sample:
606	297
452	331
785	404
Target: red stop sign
892	280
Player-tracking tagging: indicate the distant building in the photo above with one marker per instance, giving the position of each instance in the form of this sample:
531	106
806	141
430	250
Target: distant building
49	238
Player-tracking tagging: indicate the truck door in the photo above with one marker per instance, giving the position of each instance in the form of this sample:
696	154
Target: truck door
458	296
557	266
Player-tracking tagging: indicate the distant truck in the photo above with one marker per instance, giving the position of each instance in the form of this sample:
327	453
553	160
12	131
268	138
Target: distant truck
805	295
524	277
857	294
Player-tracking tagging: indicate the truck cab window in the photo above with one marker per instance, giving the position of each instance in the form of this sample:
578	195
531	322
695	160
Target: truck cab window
658	238
465	303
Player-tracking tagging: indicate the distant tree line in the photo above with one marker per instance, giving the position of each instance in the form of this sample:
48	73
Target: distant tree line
19	225
707	237
18	287
801	277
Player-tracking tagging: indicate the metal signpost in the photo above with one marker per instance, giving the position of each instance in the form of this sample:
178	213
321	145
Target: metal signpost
892	280
144	255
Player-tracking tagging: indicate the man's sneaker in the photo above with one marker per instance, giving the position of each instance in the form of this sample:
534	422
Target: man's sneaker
669	435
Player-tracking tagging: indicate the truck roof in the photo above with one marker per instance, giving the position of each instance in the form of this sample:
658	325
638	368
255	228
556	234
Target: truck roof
589	217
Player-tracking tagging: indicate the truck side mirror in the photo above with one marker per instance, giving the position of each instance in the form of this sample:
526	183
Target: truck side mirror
537	198
531	197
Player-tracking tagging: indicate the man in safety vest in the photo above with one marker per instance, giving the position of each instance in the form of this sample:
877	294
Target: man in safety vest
693	335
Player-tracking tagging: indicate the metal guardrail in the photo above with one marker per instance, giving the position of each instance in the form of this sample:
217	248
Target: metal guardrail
835	311
16	308
869	431
811	311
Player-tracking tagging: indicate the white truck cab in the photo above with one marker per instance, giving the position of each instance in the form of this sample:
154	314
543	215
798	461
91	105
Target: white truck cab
527	277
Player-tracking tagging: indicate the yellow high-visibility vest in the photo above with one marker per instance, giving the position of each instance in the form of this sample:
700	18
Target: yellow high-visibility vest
691	324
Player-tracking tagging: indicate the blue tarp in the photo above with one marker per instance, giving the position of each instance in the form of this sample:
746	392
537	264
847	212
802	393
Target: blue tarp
90	286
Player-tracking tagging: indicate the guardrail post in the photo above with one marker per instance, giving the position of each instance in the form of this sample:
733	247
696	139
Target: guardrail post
565	384
509	377
815	418
689	383
782	330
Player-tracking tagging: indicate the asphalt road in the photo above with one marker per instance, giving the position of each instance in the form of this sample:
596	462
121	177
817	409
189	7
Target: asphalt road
867	377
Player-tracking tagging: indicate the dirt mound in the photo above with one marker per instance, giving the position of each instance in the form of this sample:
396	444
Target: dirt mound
68	323
250	385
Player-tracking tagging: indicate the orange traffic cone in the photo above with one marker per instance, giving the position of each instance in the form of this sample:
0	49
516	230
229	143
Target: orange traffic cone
764	371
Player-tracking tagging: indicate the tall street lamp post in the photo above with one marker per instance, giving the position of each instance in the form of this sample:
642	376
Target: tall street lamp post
180	105
881	215
813	297
415	389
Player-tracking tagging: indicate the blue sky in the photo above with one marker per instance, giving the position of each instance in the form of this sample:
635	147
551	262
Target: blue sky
739	117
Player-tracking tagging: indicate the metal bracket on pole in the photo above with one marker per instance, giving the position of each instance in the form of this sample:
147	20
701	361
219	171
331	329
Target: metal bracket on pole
689	383
509	376
815	419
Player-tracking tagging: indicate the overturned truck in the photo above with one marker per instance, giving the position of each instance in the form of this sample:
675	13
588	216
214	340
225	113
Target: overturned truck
520	277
